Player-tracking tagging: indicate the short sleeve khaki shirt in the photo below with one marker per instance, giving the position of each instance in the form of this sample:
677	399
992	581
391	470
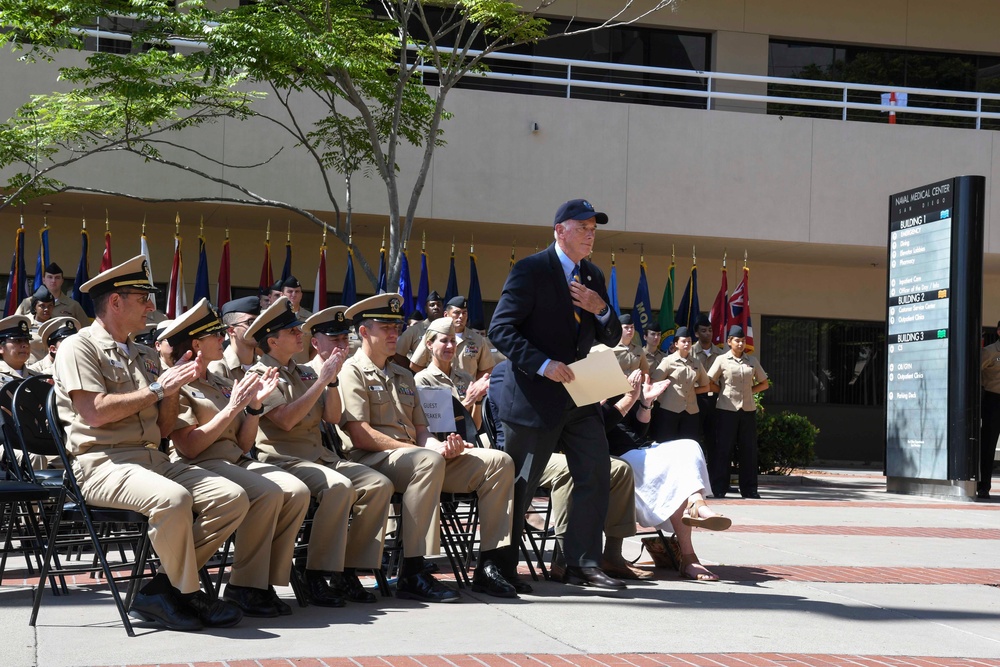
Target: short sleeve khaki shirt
200	401
685	376
458	381
736	376
384	398
472	354
92	361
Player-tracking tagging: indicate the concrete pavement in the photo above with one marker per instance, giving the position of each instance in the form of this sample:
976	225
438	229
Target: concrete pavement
815	573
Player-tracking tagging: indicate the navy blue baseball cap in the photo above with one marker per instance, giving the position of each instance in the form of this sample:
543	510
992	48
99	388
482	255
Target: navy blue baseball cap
579	209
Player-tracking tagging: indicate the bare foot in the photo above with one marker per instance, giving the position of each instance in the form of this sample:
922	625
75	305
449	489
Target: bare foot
692	569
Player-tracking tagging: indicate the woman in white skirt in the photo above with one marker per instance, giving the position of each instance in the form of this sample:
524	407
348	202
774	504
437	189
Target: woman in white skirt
671	478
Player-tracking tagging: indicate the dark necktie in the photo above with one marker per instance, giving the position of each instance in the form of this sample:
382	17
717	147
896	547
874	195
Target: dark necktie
576	309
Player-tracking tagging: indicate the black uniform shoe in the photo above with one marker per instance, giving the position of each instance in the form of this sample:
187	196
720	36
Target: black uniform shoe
425	588
754	495
319	592
983	494
488	579
348	586
164	609
521	587
279	604
251	601
591	576
212	613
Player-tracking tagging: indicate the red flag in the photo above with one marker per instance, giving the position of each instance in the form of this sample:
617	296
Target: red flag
225	293
739	308
106	262
176	293
266	275
719	313
319	296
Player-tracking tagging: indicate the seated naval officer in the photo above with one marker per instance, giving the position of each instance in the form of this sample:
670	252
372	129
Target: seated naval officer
52	334
439	338
116	404
216	427
409	339
52	279
289	437
15	350
386	429
241	353
472	353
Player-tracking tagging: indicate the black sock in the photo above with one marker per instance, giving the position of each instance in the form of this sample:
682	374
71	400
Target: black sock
411	566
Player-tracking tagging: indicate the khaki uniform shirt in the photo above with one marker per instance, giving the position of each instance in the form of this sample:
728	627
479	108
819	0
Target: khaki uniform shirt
229	366
458	381
7	373
200	401
472	354
63	307
38	349
384	398
92	361
304	441
43	366
737	378
410	339
653	360
685	375
989	359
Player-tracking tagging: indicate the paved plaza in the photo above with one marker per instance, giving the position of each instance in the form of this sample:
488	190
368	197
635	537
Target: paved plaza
826	569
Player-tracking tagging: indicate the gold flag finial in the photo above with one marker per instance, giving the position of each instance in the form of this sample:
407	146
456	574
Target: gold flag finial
694	256
201	226
177	224
744	258
423	241
383	237
324	234
288	237
84	218
452	246
227	233
107	221
267	236
143	224
672	256
724	254
472	244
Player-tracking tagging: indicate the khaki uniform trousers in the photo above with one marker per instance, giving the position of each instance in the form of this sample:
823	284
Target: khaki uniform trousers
418	474
490	474
340	487
265	541
172	495
620	521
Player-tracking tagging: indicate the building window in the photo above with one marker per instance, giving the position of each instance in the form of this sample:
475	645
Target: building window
885	67
832	362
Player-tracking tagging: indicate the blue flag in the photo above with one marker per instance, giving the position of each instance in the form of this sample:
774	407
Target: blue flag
82	276
349	294
424	288
17	280
201	277
642	311
405	287
382	279
44	259
286	270
477	315
452	290
688	310
613	288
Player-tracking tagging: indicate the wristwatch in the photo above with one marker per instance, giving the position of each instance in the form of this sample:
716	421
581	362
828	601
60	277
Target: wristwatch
335	383
157	389
254	413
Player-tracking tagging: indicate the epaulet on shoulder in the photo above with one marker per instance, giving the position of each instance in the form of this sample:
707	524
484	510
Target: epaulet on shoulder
146	350
397	369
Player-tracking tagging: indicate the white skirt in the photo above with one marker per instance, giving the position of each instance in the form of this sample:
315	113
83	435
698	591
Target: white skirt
666	475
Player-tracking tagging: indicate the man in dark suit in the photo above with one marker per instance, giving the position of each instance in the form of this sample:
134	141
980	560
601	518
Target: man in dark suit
553	308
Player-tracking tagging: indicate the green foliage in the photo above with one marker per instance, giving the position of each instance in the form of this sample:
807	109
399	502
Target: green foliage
784	442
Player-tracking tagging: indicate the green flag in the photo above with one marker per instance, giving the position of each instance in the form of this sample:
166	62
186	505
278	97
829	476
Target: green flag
667	324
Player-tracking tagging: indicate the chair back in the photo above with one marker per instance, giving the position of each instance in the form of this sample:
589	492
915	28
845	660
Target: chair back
14	468
30	415
59	438
490	424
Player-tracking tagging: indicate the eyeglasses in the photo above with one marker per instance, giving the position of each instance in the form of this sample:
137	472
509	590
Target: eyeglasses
244	323
144	297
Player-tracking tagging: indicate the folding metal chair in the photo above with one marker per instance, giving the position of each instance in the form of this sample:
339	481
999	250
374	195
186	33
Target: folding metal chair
37	421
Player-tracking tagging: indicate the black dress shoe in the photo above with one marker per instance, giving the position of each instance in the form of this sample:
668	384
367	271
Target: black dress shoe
164	609
279	604
521	587
212	613
983	494
752	496
592	577
254	602
488	579
319	592
424	588
348	586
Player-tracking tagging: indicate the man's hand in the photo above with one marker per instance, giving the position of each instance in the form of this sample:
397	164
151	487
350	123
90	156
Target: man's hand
452	446
331	367
183	372
653	390
557	371
478	389
586	298
635	381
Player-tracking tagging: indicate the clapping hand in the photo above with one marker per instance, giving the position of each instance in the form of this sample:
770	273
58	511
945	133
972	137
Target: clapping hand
653	390
183	372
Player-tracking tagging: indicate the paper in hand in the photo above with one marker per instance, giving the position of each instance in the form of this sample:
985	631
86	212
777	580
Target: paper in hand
597	377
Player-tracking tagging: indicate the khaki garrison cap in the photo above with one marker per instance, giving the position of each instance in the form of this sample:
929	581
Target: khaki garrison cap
133	274
331	321
278	316
442	325
15	326
58	328
381	308
199	321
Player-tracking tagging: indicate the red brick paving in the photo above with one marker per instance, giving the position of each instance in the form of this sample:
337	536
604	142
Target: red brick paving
859	504
629	659
874	531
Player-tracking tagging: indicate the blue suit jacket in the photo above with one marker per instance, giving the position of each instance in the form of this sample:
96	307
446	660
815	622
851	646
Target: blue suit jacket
533	322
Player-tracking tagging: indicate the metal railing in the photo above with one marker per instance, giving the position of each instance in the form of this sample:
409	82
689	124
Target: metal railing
703	89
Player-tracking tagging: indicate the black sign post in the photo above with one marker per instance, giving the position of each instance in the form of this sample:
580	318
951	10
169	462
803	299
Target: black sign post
933	336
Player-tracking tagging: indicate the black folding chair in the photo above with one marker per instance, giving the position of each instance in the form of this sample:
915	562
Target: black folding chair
37	419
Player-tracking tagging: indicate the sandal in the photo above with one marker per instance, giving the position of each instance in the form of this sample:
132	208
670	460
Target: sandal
693	517
667	557
687	560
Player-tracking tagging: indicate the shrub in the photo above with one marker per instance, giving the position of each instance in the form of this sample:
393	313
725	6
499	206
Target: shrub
784	441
